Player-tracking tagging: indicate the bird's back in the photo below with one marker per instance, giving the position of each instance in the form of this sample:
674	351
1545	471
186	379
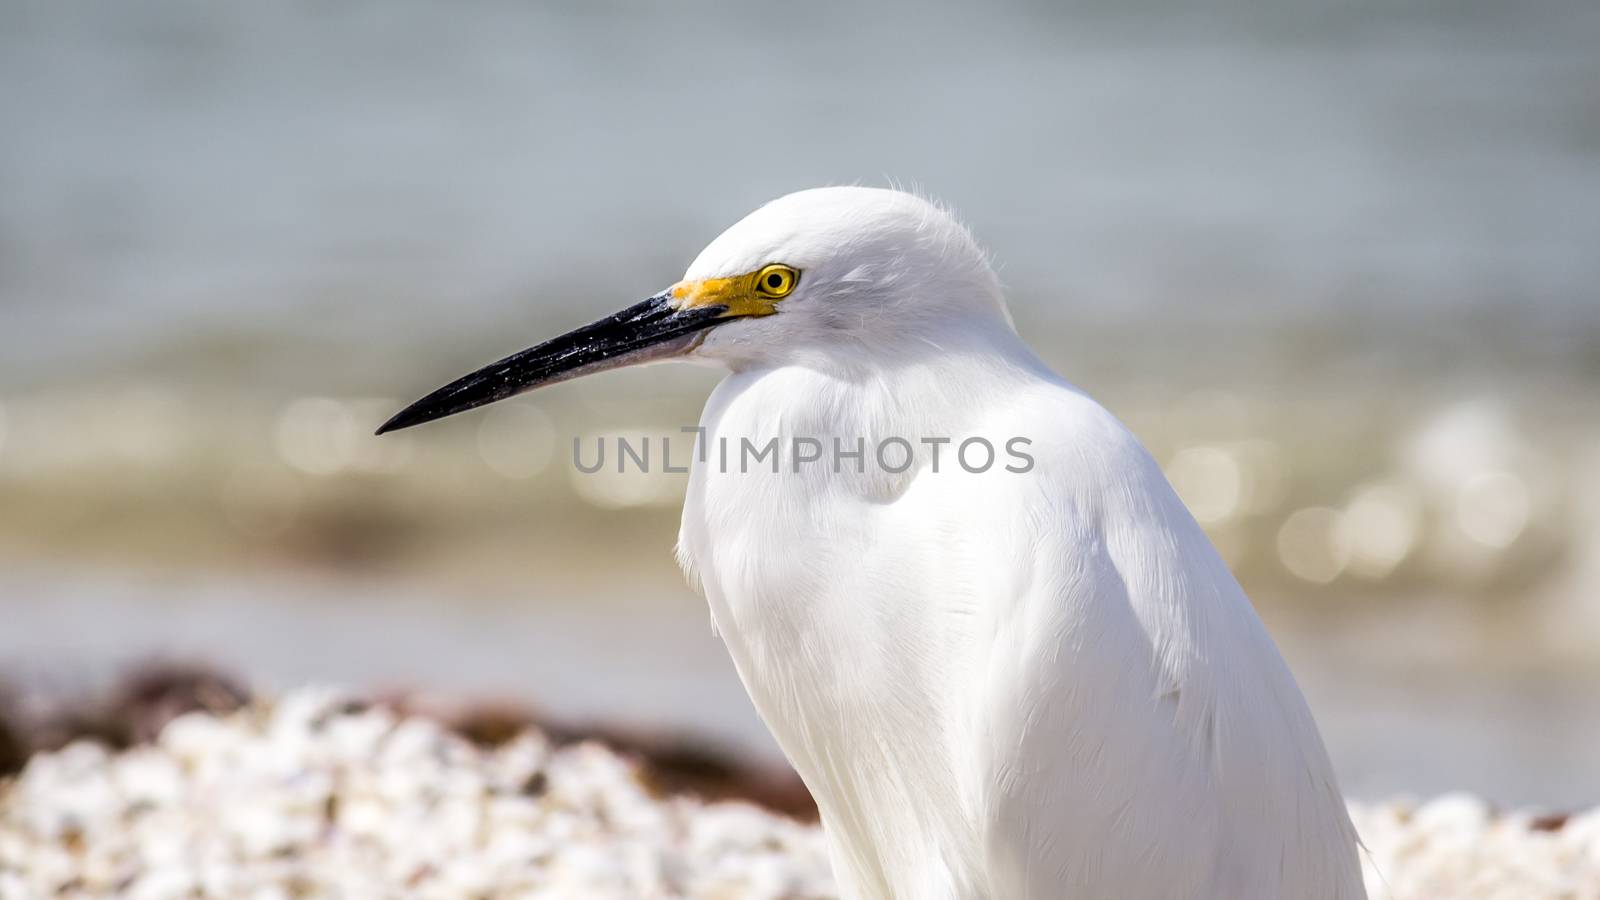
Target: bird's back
1010	684
1145	737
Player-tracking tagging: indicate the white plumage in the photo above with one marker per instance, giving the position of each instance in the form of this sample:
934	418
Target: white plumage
998	685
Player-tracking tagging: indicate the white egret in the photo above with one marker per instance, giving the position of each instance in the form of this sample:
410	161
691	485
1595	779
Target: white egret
1029	679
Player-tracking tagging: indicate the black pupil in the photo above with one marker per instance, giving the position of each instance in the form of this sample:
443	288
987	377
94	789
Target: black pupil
774	281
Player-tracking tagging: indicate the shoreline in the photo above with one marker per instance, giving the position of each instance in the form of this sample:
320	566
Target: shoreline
190	787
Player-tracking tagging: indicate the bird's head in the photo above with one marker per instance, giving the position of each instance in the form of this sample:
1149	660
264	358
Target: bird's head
823	275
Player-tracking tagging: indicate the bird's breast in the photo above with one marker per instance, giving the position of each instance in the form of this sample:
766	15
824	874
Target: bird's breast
852	615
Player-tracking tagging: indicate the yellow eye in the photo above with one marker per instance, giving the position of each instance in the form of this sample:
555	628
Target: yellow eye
776	281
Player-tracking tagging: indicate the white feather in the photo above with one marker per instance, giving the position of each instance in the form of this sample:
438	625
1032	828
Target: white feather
997	685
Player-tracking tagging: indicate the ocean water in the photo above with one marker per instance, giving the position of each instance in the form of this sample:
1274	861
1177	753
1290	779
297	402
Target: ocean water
186	180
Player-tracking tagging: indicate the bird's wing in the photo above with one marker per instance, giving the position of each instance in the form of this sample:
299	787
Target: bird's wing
1141	736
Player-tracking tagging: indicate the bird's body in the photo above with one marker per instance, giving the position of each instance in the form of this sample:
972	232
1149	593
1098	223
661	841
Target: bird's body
1007	685
1034	680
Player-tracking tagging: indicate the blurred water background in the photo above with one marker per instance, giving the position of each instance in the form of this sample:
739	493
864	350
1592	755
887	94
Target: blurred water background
1337	263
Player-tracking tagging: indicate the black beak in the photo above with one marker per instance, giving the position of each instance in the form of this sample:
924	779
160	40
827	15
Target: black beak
652	329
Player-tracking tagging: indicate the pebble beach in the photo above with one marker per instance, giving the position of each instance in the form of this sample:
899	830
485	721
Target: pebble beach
317	794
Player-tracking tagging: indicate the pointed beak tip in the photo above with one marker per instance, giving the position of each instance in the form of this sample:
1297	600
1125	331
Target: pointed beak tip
396	422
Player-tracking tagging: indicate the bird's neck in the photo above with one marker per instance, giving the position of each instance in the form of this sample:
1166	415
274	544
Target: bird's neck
976	342
938	386
939	376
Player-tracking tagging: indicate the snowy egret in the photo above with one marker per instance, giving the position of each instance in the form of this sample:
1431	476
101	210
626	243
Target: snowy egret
1031	677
